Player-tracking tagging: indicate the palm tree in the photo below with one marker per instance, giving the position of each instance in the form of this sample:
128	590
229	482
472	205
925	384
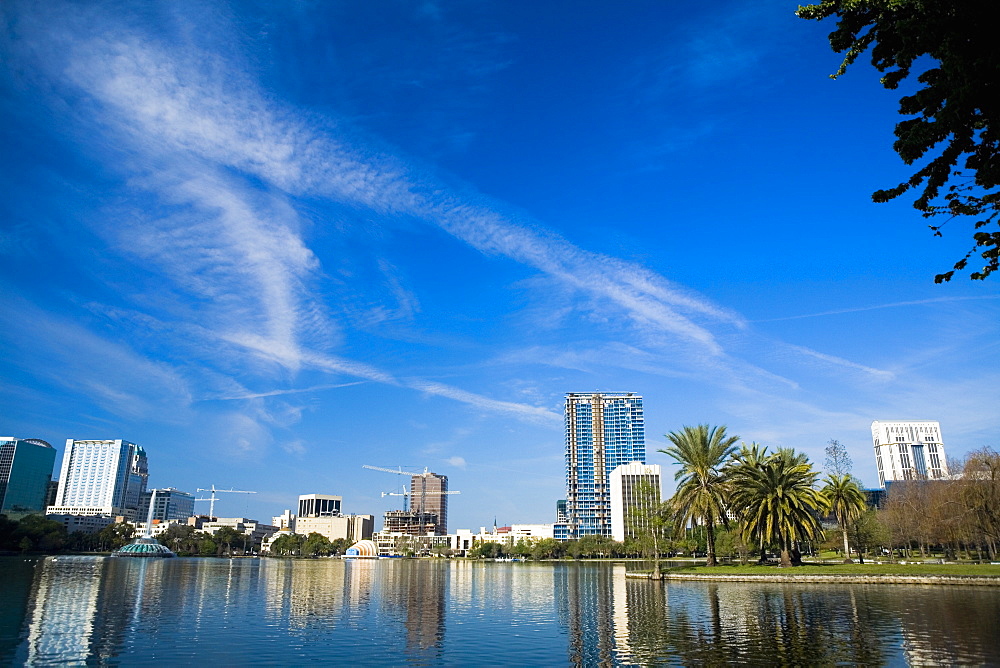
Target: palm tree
749	458
701	492
777	502
847	501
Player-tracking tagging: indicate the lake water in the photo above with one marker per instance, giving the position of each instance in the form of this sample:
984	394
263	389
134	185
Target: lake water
96	610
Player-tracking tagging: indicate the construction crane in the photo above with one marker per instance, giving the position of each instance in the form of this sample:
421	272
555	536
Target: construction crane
399	471
214	491
406	495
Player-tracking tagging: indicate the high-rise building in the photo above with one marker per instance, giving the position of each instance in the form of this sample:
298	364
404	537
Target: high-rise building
101	478
170	504
427	495
603	431
25	473
908	450
635	495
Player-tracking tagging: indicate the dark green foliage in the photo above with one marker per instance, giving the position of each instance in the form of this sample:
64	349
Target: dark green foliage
317	544
951	47
114	536
33	533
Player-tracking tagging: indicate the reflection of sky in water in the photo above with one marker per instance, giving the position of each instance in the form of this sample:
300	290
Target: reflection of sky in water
451	612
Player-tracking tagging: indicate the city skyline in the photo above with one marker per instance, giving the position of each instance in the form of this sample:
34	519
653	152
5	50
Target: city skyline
273	244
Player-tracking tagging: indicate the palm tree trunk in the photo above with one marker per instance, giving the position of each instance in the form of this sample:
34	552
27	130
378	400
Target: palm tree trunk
786	553
710	540
847	550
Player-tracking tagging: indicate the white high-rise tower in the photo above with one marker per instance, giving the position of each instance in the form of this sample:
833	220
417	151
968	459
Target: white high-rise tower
101	478
908	450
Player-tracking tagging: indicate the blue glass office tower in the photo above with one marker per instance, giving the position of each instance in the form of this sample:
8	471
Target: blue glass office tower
603	431
25	473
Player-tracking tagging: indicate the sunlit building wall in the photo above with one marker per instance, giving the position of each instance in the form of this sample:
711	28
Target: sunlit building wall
635	493
101	478
909	450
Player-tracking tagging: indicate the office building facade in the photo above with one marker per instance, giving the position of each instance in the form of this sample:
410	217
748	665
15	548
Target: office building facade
908	450
635	496
25	474
101	478
604	430
170	504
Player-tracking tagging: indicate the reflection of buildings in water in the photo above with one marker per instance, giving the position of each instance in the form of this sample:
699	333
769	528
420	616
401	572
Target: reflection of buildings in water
731	622
420	589
64	607
84	606
304	594
937	613
15	598
315	598
360	576
584	596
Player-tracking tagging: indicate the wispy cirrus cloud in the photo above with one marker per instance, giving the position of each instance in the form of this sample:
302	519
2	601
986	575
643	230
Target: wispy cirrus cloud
212	132
876	307
170	102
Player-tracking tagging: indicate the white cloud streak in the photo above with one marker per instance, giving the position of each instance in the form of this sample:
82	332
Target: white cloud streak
861	309
171	102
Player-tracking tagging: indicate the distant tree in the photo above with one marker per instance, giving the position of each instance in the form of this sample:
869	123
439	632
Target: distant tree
702	488
41	534
838	462
115	535
486	550
316	544
225	537
955	112
287	544
868	532
183	539
340	545
981	495
847	501
548	548
650	521
207	547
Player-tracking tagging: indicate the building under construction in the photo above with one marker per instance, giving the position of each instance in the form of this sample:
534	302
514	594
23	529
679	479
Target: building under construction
411	522
425	505
428	494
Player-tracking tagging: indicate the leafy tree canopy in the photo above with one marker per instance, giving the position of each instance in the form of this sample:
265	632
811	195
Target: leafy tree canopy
952	48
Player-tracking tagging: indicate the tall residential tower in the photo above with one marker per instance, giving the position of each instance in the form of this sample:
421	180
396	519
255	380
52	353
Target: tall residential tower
603	431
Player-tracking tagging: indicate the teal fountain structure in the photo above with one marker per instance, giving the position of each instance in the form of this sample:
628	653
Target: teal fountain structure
145	545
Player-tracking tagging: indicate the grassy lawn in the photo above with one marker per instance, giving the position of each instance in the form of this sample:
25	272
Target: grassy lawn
977	570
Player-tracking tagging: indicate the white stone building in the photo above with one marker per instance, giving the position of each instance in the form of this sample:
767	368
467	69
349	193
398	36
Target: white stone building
628	495
908	450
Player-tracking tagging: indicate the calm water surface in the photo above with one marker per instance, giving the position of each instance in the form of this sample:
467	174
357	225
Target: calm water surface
95	610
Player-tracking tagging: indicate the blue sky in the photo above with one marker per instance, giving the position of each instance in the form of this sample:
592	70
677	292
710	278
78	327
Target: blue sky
272	242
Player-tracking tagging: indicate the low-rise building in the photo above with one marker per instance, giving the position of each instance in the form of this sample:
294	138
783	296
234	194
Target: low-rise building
84	523
349	527
252	528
